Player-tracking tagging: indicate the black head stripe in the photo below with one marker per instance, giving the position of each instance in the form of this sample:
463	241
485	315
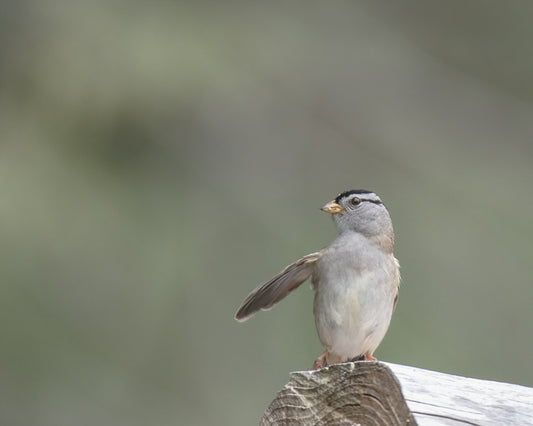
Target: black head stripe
352	192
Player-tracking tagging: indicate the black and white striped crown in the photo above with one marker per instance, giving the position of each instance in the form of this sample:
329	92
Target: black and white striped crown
363	194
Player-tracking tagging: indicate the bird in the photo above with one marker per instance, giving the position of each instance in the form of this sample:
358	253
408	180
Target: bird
356	280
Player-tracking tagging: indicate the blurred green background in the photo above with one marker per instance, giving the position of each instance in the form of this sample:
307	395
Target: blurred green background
160	159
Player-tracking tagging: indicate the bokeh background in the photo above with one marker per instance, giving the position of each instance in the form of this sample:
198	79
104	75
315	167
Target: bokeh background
160	159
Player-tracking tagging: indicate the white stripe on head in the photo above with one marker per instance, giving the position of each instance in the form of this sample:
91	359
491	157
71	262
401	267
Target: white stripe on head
362	194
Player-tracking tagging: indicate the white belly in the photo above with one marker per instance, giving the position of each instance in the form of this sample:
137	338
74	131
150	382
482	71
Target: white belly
353	313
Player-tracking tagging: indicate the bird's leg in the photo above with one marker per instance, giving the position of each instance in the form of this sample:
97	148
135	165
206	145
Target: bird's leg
320	362
369	357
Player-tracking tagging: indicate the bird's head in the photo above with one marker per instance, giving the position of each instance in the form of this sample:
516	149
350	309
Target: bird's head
361	211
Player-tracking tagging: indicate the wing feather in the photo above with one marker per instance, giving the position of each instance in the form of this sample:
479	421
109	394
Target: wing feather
268	294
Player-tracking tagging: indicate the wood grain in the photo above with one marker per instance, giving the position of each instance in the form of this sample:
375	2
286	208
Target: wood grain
365	393
445	399
369	393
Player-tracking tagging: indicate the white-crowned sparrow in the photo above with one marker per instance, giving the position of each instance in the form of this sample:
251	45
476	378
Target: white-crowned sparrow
356	280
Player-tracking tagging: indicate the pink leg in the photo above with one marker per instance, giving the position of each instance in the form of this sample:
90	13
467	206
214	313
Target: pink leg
369	357
320	362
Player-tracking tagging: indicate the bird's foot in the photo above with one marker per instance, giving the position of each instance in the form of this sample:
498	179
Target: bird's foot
320	362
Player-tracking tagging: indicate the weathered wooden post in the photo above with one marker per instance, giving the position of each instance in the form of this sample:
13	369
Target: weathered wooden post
376	393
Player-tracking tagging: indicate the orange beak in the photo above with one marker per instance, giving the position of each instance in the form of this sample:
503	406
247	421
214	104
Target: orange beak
332	207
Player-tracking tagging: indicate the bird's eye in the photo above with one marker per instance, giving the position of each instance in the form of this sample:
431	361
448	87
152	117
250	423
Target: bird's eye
356	201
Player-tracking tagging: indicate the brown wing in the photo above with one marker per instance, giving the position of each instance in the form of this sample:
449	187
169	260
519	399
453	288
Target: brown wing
268	294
